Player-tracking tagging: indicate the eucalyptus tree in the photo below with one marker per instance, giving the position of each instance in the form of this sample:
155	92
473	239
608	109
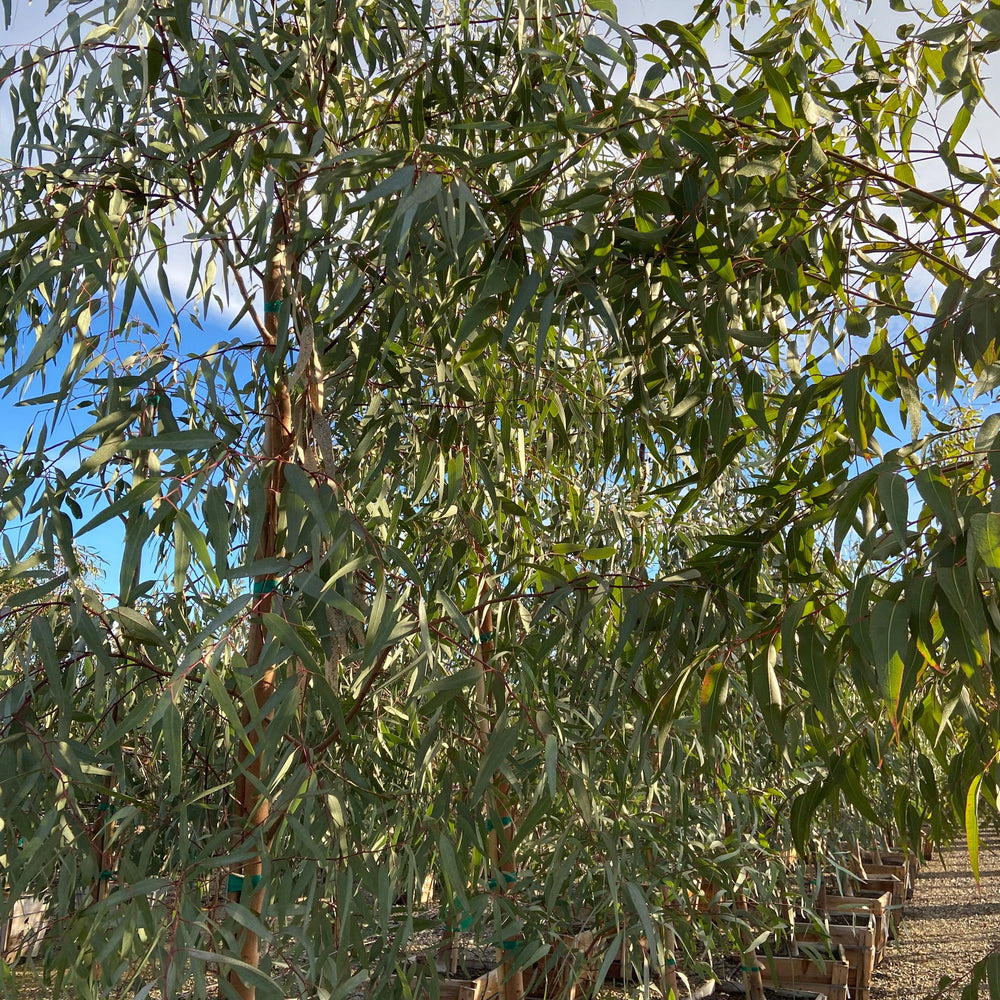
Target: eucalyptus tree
487	390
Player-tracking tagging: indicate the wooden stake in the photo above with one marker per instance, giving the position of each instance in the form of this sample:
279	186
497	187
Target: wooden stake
278	445
668	972
104	834
670	963
793	943
752	983
102	844
861	872
500	849
5	933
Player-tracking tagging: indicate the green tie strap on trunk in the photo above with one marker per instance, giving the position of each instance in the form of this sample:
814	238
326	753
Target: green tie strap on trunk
235	883
748	968
485	637
268	586
106	876
504	821
464	917
509	879
272	307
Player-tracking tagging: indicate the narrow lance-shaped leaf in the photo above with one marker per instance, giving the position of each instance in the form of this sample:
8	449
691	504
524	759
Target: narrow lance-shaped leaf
985	532
895	499
890	638
816	673
972	824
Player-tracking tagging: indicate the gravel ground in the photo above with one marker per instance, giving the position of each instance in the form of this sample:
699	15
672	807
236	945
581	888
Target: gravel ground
948	926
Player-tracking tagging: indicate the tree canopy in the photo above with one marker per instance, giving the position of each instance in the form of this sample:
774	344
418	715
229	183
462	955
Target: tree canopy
511	414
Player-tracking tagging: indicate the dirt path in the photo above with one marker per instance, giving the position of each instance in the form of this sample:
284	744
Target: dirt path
949	925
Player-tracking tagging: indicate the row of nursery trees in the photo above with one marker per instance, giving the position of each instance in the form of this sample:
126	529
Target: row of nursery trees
507	413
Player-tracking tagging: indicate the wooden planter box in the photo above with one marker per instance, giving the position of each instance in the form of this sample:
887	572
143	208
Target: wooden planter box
21	936
827	976
630	954
568	972
912	862
874	908
900	872
879	885
622	967
858	945
896	857
570	969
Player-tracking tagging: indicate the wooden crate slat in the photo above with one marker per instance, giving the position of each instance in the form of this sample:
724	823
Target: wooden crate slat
877	907
829	976
556	975
858	944
877	904
22	934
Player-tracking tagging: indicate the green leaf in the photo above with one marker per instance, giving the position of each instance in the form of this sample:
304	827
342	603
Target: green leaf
986	438
602	552
803	811
455	614
767	693
972	824
172	732
198	544
525	294
777	88
985	532
988	441
138	626
449	863
854	396
909	393
501	745
858	796
895	499
712	698
816	673
400	180
890	641
938	495
248	973
134	499
228	707
641	908
62	688
962	615
814	111
552	763
809	157
179	441
296	639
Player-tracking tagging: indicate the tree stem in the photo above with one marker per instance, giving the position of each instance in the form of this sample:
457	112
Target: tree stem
278	441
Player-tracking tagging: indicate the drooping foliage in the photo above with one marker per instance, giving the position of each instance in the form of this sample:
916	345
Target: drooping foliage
507	413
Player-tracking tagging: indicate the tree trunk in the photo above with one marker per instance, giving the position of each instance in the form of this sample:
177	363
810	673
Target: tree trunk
501	852
752	982
278	444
